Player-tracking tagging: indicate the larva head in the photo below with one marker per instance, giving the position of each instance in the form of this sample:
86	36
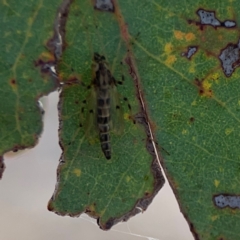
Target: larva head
98	58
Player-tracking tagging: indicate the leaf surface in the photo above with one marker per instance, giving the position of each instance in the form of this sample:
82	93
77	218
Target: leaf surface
110	190
25	29
193	98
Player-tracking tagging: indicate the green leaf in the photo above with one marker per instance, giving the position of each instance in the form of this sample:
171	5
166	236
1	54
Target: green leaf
180	63
194	104
25	28
190	98
110	190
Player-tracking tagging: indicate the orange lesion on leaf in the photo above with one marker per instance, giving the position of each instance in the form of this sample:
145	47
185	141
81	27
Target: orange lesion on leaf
190	36
170	60
187	36
179	35
77	172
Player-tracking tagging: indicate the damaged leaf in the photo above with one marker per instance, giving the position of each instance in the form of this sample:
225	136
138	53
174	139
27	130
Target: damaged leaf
24	30
194	102
108	168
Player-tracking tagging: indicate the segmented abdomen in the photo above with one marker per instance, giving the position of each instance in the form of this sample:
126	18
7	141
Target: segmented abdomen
103	120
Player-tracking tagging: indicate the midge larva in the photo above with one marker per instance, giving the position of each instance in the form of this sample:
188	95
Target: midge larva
103	83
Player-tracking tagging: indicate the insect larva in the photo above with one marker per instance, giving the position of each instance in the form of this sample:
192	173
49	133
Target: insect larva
103	84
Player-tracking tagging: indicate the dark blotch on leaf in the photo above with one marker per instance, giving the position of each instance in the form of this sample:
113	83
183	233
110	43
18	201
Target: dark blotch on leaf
104	5
191	119
50	207
201	90
109	224
45	67
13	81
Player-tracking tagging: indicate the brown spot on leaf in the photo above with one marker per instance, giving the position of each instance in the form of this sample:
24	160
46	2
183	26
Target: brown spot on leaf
73	80
13	82
50	207
45	66
202	90
191	119
87	210
18	147
107	225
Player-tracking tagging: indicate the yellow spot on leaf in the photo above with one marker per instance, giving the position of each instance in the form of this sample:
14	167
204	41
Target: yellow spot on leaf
6	34
126	116
192	68
184	131
214	217
215	76
92	140
5	3
179	35
170	60
216	183
228	130
128	178
207	85
30	21
8	47
77	172
168	48
92	208
46	55
194	103
190	37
